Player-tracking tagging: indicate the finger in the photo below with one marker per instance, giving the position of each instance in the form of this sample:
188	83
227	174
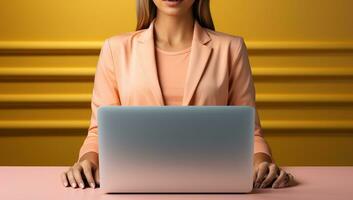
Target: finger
285	182
254	176
262	172
279	180
96	177
291	179
271	175
71	178
77	175
87	170
64	179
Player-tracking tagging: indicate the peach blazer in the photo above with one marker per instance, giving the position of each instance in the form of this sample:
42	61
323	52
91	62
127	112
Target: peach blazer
218	73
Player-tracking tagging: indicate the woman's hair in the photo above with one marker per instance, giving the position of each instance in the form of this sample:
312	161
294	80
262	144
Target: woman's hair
147	11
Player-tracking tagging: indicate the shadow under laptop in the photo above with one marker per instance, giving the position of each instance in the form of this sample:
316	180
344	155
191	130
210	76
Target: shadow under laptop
193	196
178	196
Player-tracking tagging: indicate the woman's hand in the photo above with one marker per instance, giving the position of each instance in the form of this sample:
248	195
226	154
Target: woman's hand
83	173
267	173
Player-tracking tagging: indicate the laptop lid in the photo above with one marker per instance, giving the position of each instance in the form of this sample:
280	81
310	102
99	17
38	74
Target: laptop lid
172	149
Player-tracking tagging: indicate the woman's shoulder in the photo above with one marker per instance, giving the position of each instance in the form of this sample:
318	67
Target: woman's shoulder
222	38
122	39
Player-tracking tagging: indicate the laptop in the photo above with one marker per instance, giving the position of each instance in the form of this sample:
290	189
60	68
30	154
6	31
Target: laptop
176	149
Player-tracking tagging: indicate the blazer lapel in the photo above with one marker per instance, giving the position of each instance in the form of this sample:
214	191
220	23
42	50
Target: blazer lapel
199	57
147	61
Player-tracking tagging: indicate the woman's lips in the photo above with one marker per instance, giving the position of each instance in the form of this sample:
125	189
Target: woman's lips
172	2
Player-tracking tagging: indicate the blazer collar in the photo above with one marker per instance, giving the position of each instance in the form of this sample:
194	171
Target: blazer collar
200	34
199	55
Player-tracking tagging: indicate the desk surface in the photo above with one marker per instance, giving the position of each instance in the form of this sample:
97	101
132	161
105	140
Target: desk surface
44	183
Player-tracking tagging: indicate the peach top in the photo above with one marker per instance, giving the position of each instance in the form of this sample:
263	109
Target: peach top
171	67
218	73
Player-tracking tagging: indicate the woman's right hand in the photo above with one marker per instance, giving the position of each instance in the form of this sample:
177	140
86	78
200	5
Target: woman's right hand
83	173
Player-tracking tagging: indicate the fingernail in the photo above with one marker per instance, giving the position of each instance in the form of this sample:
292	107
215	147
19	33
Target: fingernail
65	184
92	185
81	185
74	185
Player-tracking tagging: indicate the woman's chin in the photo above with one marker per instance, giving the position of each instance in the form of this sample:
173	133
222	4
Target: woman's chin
172	12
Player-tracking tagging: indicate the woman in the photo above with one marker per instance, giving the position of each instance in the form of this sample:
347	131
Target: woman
174	58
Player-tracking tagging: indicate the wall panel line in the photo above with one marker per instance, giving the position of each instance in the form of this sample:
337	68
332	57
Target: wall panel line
93	47
88	72
266	124
260	98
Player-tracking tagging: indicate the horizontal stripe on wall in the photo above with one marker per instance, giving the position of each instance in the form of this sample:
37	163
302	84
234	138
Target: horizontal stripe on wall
46	71
93	47
266	124
260	98
9	73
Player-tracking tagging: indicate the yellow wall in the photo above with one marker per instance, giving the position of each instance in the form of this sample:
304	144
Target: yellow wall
301	53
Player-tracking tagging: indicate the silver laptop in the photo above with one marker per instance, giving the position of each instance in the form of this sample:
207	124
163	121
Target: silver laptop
176	149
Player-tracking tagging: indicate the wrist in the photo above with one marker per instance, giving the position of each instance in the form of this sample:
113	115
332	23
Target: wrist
90	156
261	157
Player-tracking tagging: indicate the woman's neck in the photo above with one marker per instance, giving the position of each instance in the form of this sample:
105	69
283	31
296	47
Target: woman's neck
173	32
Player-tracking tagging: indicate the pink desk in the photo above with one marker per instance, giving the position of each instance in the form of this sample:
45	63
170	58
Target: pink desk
333	183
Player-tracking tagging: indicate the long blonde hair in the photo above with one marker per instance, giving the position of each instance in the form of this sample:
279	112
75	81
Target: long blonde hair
147	11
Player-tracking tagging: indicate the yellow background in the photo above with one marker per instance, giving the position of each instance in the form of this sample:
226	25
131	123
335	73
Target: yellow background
301	54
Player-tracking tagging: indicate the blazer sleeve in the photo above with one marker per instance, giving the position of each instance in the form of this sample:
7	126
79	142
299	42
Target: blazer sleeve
242	92
104	92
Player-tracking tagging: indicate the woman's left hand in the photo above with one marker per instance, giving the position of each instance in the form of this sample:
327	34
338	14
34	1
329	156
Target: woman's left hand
268	174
